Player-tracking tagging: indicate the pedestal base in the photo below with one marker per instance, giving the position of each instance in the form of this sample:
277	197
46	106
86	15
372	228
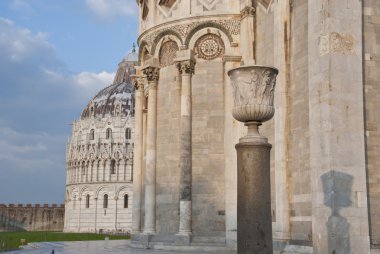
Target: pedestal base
254	220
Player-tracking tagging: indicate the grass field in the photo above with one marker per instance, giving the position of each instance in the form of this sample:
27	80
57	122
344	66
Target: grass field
12	240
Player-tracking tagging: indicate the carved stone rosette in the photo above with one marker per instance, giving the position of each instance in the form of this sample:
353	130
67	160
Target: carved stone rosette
253	91
186	67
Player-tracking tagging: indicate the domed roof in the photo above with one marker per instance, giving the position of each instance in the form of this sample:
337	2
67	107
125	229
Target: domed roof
118	98
114	100
132	57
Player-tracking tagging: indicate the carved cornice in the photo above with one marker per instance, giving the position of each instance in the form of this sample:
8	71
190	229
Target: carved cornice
182	28
151	73
186	67
248	11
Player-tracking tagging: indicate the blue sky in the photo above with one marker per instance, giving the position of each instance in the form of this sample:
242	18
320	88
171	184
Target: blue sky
54	56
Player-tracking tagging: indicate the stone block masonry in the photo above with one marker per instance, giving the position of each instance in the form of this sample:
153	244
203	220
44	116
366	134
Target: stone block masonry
31	217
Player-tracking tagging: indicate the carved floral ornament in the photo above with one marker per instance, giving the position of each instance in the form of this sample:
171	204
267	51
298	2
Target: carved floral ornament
186	67
209	47
138	83
151	73
248	11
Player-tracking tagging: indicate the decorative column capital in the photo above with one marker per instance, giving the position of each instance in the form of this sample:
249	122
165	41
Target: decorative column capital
151	73
248	11
138	82
186	67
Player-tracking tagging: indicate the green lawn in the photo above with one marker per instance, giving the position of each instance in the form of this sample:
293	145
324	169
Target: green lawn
11	240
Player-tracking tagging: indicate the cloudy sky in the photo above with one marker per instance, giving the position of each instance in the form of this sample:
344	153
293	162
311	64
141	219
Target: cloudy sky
54	56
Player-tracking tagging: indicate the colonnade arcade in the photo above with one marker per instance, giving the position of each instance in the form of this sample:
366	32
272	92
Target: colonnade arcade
205	43
99	170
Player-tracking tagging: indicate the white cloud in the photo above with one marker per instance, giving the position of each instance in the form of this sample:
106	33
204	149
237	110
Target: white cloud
38	92
94	80
19	44
111	9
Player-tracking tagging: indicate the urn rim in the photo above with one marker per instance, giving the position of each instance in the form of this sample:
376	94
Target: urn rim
250	66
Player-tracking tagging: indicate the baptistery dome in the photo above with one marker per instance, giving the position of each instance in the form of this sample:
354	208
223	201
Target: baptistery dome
99	159
116	99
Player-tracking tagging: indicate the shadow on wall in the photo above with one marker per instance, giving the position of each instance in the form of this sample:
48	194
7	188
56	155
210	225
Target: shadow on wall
337	188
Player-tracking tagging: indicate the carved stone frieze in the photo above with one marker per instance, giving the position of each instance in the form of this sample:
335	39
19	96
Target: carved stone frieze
337	43
209	46
183	30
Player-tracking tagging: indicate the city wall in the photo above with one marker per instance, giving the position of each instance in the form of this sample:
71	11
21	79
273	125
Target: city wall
31	217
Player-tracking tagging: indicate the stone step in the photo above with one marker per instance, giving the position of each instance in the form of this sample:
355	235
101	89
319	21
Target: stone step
297	249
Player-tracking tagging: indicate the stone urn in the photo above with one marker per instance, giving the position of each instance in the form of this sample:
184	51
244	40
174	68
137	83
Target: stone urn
253	91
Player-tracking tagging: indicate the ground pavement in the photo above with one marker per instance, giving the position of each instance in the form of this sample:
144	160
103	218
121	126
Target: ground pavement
96	247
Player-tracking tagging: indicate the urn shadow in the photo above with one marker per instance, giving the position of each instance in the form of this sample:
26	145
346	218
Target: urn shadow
337	188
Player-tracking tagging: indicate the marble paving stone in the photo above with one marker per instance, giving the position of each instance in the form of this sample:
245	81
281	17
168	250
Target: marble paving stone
97	247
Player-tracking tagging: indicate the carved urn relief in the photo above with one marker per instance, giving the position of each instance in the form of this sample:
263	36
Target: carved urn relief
253	91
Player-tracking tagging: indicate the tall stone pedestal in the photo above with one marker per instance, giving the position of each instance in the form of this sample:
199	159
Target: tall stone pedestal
253	88
254	220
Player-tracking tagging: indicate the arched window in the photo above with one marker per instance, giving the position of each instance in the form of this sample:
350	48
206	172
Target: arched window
126	201
113	169
92	134
168	53
128	133
105	201
88	201
109	133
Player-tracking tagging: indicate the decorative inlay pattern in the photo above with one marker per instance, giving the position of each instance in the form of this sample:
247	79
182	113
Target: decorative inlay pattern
166	7
168	52
209	47
208	5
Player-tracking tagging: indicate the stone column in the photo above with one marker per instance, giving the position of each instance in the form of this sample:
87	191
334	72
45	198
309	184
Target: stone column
96	212
152	75
97	170
137	155
281	228
336	120
253	104
247	32
109	170
80	211
116	199
92	172
186	69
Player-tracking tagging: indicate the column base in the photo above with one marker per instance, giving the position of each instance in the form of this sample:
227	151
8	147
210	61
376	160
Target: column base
183	238
148	232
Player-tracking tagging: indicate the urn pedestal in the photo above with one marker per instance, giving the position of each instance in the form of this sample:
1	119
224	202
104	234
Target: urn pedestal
253	91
